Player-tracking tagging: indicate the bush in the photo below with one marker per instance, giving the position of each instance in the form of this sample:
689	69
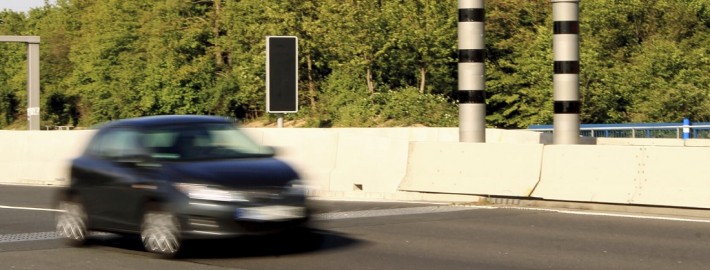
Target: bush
9	108
408	107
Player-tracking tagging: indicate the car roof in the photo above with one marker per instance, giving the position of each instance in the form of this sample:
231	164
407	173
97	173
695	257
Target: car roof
161	120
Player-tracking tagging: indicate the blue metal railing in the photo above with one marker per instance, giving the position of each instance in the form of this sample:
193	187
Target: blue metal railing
685	130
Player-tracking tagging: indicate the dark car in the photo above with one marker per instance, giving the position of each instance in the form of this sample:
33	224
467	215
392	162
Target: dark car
173	178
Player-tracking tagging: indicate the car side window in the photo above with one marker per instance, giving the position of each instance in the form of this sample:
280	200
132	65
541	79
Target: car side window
117	143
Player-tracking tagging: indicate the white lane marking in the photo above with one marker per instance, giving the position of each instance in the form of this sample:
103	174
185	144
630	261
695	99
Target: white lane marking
388	212
36	236
23	237
433	209
29	208
602	214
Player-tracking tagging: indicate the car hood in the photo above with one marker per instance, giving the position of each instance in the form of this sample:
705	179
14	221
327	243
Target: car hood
239	173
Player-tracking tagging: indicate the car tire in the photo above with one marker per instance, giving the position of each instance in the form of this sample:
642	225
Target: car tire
160	233
71	222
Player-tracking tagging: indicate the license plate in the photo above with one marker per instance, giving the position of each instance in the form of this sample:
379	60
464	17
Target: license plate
271	213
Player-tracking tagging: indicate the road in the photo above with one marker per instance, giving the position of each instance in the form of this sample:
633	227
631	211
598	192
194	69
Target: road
381	235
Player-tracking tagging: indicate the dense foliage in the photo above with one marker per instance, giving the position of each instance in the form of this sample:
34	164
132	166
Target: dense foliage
362	62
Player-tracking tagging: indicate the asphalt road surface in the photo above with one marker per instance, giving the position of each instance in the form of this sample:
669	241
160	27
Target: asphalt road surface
381	235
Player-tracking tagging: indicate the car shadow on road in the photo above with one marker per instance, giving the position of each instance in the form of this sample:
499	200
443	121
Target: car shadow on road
315	240
243	247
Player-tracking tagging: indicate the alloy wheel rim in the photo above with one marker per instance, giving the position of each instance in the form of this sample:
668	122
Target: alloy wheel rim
70	223
159	233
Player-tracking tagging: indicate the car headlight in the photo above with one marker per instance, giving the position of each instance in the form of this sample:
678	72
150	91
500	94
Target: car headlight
204	192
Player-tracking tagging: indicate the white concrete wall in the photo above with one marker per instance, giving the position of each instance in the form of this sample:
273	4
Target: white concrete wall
660	172
38	157
646	175
473	168
640	141
387	161
345	160
589	173
341	160
311	151
676	175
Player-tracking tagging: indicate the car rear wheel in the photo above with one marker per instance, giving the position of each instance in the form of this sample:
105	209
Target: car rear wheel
160	233
71	222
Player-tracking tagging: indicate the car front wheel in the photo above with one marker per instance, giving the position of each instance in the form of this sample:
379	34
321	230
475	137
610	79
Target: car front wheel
160	233
71	222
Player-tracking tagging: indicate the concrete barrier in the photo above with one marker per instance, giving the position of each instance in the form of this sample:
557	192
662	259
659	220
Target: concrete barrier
39	157
351	162
375	160
653	142
370	161
311	151
405	163
675	176
589	173
697	142
470	168
640	141
644	175
348	159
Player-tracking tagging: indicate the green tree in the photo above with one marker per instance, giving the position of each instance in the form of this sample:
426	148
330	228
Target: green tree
363	63
246	24
519	64
13	71
54	26
107	68
359	34
643	60
425	37
177	44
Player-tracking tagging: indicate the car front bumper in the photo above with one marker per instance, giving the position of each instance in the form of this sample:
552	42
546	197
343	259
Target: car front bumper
208	219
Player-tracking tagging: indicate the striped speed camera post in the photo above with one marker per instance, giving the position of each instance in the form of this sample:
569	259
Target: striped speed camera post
565	44
472	83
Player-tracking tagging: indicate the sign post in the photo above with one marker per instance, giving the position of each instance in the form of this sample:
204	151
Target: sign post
281	75
32	77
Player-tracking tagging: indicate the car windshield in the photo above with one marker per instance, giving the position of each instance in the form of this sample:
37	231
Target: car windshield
201	141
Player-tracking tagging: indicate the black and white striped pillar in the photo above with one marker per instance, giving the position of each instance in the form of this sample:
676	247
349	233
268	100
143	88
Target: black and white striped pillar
472	83
565	45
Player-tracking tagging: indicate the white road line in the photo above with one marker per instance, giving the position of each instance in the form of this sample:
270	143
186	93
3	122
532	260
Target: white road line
432	209
375	213
29	208
388	212
601	214
36	236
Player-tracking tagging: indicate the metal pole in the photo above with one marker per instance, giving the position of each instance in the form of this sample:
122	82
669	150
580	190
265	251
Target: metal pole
472	83
32	77
686	129
280	121
565	44
33	86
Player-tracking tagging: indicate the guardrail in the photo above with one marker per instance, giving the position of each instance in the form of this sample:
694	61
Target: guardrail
649	130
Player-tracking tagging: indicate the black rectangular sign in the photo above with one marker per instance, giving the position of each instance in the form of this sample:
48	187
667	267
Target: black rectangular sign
281	74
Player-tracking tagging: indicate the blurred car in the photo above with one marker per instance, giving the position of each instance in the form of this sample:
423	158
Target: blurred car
173	178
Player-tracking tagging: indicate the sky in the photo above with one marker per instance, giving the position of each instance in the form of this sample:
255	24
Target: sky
21	5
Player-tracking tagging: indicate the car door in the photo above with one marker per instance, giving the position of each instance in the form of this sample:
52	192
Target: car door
115	190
